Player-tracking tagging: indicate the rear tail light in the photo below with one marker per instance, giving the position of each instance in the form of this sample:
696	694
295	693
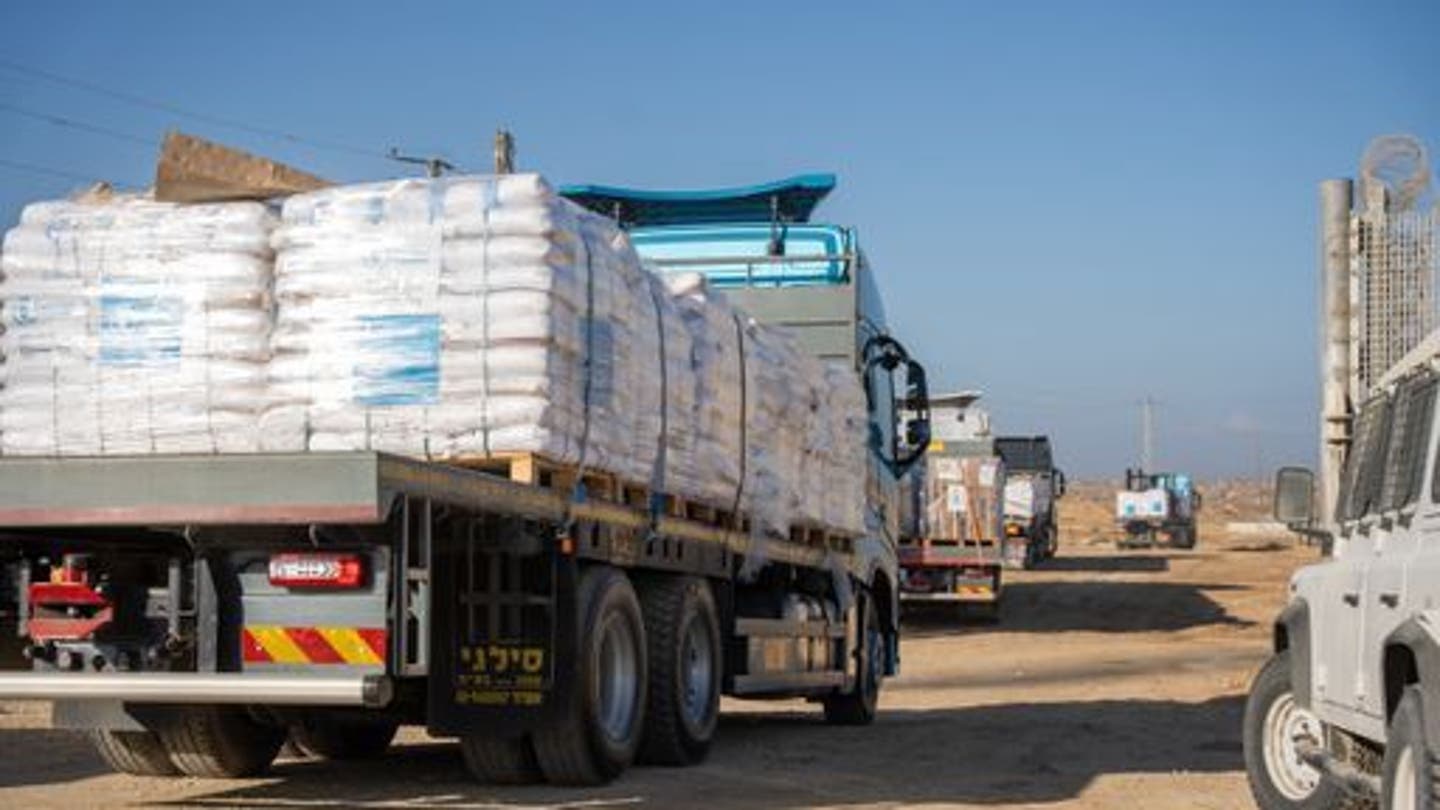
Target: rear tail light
314	570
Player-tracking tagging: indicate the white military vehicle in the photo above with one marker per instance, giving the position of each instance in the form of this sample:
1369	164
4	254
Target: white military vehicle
1350	702
1347	711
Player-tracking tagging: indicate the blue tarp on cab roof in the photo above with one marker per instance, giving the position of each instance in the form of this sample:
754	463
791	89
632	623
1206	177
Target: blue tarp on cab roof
796	197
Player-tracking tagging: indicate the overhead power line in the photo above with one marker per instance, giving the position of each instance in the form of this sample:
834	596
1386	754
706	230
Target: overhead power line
71	123
46	170
167	107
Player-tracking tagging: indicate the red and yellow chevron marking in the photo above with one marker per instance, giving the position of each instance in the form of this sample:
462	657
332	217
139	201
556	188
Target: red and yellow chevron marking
272	644
977	593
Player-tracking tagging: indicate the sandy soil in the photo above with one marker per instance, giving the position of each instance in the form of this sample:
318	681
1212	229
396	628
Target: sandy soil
1113	680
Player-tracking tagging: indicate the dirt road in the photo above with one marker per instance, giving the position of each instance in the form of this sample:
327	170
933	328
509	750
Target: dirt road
1112	681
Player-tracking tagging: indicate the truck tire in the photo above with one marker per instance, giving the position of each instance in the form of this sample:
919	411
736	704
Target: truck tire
501	762
597	735
859	706
220	742
1278	779
340	737
682	628
138	753
1409	774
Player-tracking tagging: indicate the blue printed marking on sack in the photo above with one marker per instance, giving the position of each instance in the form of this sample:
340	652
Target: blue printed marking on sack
398	360
140	330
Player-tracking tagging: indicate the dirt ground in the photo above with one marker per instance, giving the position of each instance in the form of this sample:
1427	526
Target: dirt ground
1113	680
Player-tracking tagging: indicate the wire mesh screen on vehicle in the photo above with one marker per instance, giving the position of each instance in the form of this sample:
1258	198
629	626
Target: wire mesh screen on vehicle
1394	254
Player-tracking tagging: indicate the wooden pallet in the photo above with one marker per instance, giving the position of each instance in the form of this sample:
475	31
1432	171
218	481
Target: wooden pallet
538	470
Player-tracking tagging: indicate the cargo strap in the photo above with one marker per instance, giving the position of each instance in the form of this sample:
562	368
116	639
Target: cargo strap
577	492
744	418
657	472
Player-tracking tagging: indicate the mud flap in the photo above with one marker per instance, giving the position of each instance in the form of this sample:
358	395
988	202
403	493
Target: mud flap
504	629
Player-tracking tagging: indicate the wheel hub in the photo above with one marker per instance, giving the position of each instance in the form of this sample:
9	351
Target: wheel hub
697	671
619	679
1287	728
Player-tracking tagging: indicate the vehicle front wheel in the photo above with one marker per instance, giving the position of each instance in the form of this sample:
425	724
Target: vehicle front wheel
1408	778
859	706
1275	726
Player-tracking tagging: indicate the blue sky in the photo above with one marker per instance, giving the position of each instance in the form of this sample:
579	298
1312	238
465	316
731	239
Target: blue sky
1074	205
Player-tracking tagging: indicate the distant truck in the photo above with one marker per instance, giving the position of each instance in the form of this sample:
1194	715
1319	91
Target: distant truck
1032	487
952	526
1155	506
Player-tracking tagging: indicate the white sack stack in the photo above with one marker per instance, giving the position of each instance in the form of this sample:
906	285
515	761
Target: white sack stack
800	426
453	318
133	326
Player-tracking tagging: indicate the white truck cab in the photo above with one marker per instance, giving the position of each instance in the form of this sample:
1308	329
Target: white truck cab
1348	707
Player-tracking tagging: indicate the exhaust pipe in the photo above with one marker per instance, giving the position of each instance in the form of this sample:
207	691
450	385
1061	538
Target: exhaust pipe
191	687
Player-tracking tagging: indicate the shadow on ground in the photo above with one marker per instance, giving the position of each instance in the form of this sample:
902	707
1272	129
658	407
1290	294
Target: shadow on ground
1103	607
1131	563
793	760
51	757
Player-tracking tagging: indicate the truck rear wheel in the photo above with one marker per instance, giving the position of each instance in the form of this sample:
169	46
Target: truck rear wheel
1279	780
138	753
683	630
332	736
219	742
1408	776
598	733
859	706
501	762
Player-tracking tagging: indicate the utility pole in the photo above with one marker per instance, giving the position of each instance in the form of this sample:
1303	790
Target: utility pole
1147	434
504	152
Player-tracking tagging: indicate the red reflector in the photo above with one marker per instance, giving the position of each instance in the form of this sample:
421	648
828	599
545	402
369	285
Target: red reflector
317	570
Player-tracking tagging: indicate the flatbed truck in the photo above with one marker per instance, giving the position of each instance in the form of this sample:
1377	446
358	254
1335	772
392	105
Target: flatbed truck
952	534
193	612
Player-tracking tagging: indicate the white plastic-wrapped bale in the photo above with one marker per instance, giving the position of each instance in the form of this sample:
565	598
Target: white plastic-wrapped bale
800	427
465	317
133	326
461	318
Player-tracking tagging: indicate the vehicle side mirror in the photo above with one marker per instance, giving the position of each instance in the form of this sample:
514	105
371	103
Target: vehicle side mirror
1059	484
1295	496
917	428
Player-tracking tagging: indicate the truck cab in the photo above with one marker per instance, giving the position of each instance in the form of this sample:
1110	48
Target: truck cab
1155	505
758	245
1350	700
1033	487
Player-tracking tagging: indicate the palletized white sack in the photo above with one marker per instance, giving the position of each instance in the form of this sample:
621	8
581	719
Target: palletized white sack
133	326
468	316
799	426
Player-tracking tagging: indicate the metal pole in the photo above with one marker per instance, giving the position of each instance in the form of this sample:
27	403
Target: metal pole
504	152
1336	200
1147	435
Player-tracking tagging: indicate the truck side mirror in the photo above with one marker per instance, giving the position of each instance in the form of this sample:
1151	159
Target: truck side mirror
917	428
1059	483
1295	496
